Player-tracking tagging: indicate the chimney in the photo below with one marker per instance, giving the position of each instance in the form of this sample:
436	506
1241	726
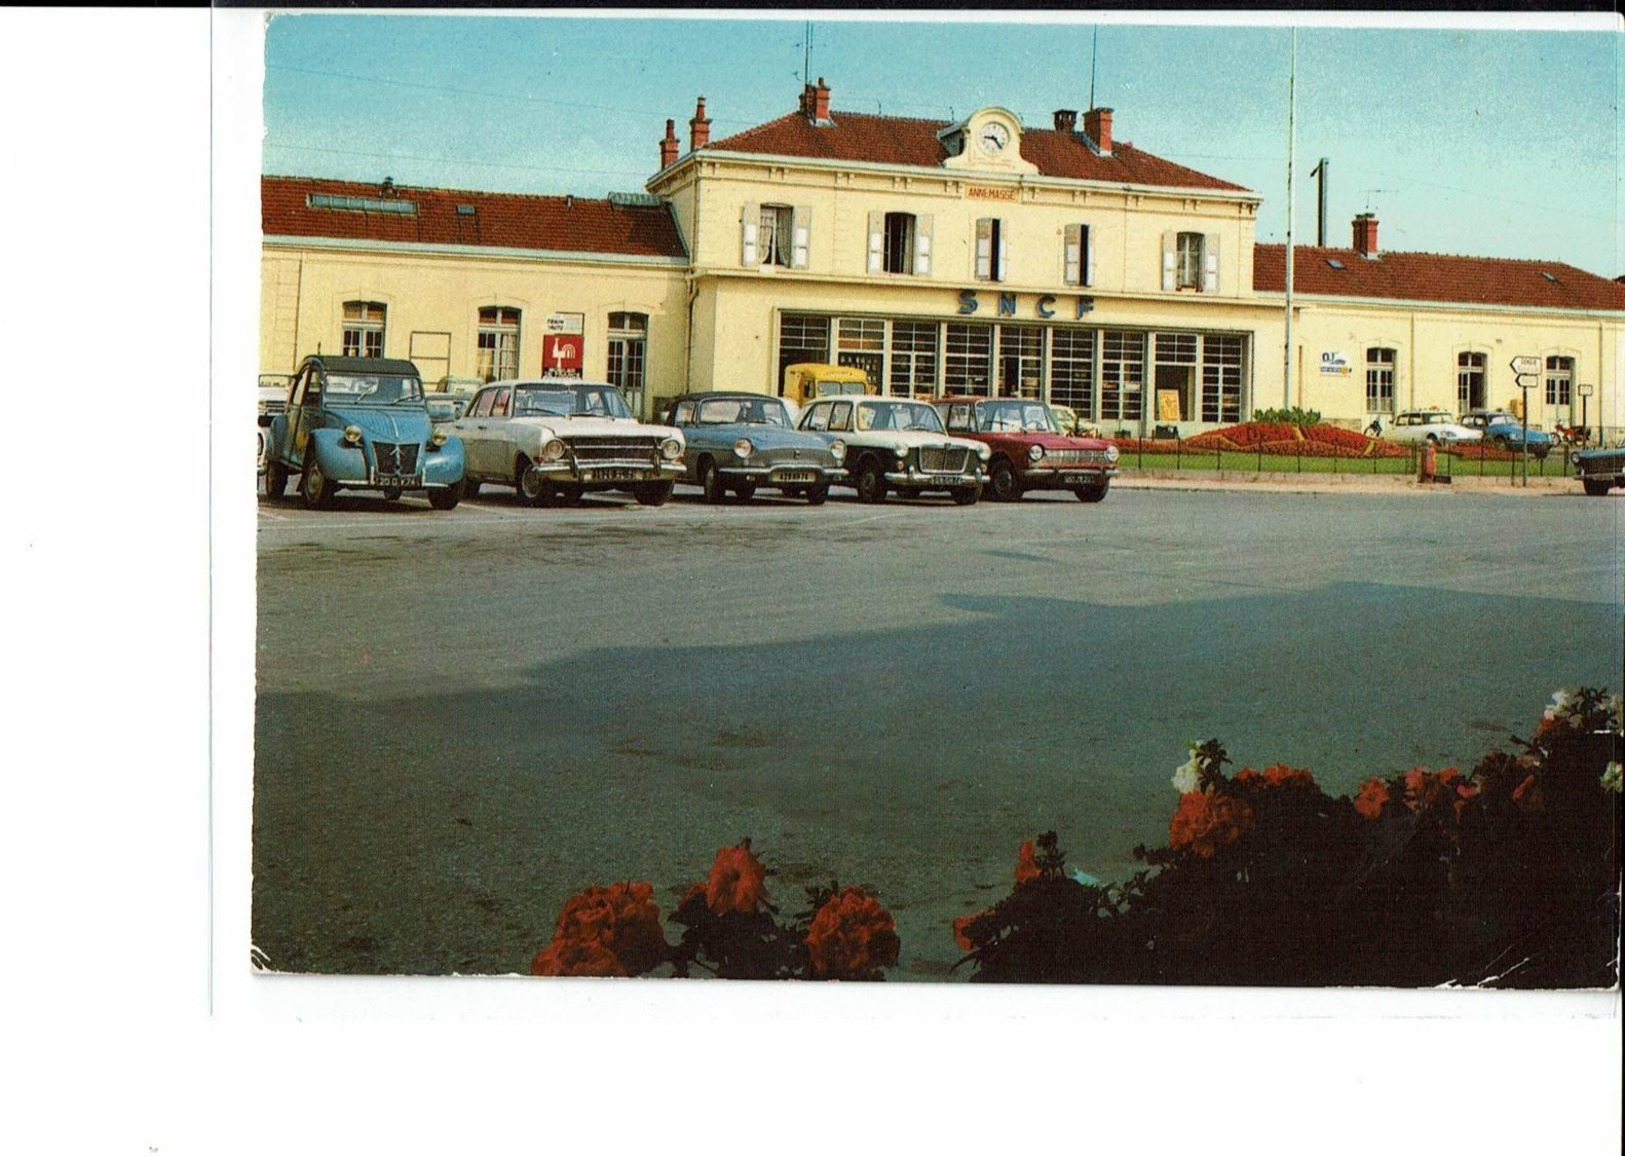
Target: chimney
1365	234
1066	120
699	128
821	101
1097	126
668	147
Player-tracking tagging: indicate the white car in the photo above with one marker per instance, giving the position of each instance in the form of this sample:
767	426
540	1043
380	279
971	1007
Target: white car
1430	425
894	443
558	438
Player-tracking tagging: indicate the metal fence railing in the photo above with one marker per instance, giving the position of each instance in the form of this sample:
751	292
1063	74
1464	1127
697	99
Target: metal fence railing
1173	454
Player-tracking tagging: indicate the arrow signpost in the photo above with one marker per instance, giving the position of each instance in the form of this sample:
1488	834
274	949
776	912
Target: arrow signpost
1528	376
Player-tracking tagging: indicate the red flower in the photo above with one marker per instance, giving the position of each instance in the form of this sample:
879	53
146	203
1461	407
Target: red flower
737	881
1206	822
852	937
1247	777
1281	775
611	930
962	929
1372	798
1027	868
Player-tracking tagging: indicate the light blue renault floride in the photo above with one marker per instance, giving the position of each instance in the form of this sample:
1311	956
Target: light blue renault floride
361	423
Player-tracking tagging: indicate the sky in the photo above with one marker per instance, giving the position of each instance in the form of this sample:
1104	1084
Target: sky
1497	141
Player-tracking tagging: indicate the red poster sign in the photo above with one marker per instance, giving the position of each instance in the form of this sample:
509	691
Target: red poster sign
561	354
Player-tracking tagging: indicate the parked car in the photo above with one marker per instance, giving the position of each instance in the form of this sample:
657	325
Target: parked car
894	443
558	438
360	423
1416	426
273	400
746	441
447	407
1600	470
1029	450
806	380
1503	431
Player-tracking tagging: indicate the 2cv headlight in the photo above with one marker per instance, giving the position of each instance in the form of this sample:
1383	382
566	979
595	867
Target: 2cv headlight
437	438
352	434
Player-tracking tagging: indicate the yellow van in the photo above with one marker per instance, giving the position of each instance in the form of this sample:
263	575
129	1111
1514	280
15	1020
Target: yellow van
806	380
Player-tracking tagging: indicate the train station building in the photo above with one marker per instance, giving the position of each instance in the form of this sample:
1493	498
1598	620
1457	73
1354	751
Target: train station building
981	255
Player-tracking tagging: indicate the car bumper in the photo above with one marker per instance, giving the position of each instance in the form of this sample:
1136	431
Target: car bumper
349	466
608	474
771	476
912	479
1066	477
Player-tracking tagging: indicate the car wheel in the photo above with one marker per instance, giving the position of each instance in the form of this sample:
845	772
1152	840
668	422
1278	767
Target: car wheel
1596	487
1004	486
966	495
711	482
870	483
746	490
445	497
653	493
817	495
276	479
316	487
534	490
1093	493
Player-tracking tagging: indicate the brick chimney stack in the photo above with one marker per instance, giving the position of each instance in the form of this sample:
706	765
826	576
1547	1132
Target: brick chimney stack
1066	120
1365	234
699	128
668	147
1097	126
821	101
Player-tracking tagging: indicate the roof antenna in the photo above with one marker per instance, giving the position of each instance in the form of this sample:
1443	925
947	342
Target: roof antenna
1368	193
806	56
1094	51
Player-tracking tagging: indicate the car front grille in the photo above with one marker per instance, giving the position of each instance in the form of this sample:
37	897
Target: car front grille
590	451
943	459
399	459
1076	458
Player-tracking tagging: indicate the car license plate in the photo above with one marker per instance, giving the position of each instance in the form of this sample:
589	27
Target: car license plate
1076	478
611	475
795	476
398	481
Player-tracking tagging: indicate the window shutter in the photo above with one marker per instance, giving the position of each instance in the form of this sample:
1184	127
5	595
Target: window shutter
1072	274
1210	263
800	230
1088	255
749	251
1002	255
877	240
984	248
1168	262
922	245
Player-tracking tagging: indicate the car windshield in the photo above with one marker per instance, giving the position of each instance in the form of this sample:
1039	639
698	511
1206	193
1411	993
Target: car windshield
1015	417
373	389
742	410
570	401
899	415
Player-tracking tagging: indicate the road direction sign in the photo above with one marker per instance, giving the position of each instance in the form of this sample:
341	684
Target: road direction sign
1528	380
1526	365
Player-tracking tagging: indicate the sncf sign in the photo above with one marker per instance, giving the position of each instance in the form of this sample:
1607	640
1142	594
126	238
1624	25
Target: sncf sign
1010	304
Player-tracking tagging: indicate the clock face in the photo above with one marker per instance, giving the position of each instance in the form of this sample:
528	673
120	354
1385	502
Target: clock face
993	137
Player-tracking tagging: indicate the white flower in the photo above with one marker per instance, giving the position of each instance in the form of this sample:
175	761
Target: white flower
1615	706
1610	777
1562	700
1188	777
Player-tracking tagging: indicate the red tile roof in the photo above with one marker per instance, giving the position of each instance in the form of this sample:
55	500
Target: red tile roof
893	140
1434	277
498	220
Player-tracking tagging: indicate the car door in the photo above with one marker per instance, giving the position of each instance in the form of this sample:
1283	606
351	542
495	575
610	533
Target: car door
304	414
473	428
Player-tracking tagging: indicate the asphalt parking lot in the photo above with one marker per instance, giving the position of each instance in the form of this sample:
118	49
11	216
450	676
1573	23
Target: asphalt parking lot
463	717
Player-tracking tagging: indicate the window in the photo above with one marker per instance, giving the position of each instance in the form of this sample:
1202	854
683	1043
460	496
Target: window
1122	375
1021	360
498	351
861	344
990	249
363	329
1379	380
913	358
1559	381
1072	370
1175	376
628	333
801	338
967	359
899	243
1470	390
774	235
1079	257
1190	261
1221	377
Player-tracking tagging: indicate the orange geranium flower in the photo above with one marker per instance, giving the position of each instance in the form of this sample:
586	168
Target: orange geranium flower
612	930
852	937
961	926
1027	867
737	882
1429	790
1281	775
566	958
1372	798
1208	821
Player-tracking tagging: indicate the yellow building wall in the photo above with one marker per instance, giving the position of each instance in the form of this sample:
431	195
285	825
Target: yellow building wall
433	303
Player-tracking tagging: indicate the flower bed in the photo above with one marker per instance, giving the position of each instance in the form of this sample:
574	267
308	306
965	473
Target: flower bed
1508	875
1271	439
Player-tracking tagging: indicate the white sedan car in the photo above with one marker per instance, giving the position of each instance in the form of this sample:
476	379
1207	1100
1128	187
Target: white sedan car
894	443
1430	425
558	438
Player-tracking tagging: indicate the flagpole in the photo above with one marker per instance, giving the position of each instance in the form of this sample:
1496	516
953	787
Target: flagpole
1291	151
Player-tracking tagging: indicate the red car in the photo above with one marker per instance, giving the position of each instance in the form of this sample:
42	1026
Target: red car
1029	450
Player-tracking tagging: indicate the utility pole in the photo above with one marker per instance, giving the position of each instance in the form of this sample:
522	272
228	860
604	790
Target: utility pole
1291	153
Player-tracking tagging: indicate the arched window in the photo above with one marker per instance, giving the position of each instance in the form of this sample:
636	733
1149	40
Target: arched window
1379	380
1471	391
363	329
1560	381
628	336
